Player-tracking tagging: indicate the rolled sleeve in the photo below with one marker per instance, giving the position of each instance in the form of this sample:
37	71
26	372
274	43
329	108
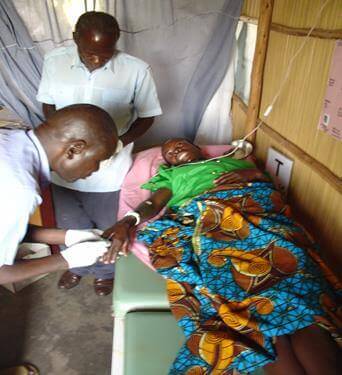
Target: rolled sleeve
14	219
146	100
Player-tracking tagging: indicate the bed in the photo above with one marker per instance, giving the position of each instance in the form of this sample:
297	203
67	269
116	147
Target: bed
142	317
146	336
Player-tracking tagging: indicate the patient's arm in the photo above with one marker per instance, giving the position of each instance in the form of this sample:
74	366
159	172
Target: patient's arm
241	175
48	110
120	233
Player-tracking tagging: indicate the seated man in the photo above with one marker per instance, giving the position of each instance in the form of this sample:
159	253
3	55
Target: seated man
72	143
242	276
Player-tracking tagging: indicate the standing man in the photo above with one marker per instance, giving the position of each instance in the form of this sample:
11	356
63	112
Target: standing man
71	143
94	71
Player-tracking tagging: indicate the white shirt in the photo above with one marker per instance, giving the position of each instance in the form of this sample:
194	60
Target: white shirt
24	170
123	87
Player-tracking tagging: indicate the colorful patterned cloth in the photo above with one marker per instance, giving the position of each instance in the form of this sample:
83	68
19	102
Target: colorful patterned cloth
239	272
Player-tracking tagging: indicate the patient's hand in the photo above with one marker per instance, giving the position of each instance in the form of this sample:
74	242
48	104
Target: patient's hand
119	235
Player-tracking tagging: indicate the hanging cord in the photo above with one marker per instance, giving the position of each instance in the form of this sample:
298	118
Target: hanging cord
269	109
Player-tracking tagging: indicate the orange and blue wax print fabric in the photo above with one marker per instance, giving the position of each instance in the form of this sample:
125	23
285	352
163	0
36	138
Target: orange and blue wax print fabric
240	272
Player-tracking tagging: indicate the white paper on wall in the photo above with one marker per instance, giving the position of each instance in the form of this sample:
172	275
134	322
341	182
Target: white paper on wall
330	120
280	168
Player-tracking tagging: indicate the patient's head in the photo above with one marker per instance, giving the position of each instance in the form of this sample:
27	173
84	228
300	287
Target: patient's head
76	139
96	35
177	151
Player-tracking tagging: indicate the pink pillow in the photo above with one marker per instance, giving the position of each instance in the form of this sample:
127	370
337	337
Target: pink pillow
145	166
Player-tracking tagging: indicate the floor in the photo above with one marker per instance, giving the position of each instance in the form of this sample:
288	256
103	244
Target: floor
61	332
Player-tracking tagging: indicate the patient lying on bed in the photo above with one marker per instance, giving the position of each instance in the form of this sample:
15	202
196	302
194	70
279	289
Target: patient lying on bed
243	278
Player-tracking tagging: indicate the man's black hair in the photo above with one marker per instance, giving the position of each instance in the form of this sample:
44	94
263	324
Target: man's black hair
101	21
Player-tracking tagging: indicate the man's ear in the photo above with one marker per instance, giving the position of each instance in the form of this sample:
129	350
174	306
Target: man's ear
75	36
75	148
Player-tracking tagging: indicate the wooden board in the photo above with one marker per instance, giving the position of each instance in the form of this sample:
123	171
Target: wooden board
296	113
315	201
300	14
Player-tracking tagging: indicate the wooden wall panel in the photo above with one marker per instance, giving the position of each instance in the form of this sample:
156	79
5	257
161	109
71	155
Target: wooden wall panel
314	200
36	218
295	116
300	13
238	118
251	8
318	205
303	13
296	112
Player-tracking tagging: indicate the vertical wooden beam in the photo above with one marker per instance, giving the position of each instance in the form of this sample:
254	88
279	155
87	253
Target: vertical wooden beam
264	24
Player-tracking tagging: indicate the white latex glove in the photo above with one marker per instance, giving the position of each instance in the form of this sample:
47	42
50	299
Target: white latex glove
85	253
74	236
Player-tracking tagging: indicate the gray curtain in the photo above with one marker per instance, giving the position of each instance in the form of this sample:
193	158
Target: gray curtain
211	69
188	45
20	66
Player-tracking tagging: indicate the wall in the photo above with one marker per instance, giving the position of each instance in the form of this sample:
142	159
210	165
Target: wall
315	189
36	218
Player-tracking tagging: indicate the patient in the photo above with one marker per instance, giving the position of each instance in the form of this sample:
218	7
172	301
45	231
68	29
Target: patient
243	278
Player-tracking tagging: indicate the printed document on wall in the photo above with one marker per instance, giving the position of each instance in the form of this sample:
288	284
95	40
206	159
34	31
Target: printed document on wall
330	120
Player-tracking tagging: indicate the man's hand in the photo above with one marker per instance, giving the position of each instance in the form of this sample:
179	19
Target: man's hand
74	236
136	130
85	253
119	235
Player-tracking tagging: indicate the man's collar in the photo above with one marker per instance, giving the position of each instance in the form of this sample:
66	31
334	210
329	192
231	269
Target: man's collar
77	63
44	172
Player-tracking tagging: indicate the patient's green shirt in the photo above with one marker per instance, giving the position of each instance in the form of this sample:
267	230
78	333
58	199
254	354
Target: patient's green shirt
189	180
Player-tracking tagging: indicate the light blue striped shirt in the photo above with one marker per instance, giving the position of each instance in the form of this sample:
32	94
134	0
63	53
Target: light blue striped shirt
24	171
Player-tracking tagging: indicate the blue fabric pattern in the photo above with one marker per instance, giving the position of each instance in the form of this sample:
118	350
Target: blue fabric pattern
239	273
